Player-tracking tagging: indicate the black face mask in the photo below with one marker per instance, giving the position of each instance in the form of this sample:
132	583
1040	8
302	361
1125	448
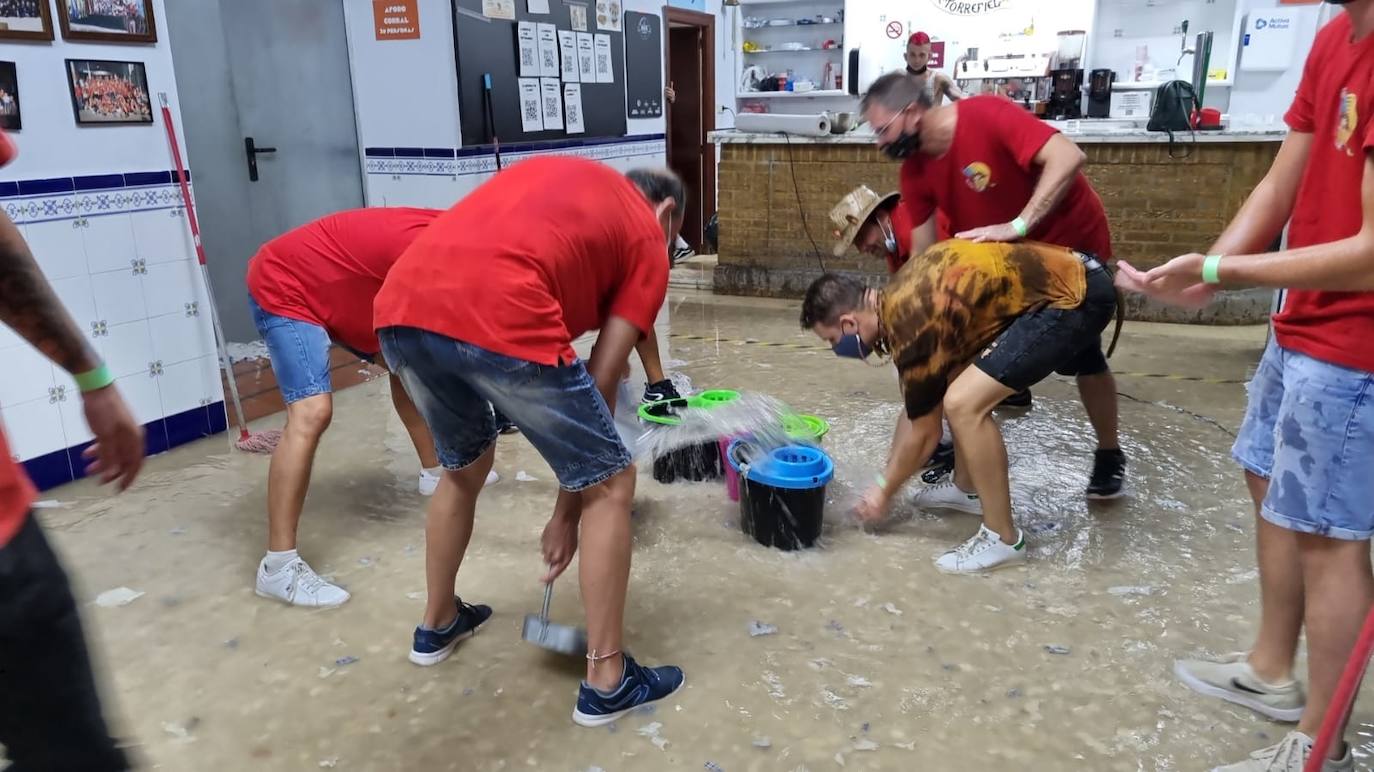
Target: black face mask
924	68
903	146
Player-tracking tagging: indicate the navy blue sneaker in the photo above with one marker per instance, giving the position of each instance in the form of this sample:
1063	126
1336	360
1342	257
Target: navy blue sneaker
640	685
433	646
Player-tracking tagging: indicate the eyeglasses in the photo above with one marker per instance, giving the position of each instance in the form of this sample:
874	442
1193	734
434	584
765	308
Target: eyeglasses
882	129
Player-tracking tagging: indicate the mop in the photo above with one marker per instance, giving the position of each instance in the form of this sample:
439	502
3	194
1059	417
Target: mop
258	442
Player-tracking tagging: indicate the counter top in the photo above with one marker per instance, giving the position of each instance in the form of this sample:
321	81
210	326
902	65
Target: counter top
1086	133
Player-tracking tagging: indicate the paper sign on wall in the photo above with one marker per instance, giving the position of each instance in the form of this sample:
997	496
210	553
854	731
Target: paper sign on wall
567	46
396	19
538	6
586	58
604	73
552	93
529	49
608	15
531	116
499	9
577	14
548	50
572	106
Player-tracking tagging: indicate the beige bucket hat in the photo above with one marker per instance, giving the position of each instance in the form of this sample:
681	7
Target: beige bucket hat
852	212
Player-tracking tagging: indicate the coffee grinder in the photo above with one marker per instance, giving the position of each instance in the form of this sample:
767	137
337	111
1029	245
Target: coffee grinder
1066	94
1100	93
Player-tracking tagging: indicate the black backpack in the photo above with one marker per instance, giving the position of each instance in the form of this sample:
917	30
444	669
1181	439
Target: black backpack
1172	111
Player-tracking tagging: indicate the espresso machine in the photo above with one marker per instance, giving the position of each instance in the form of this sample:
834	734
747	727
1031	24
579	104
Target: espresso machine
1100	93
1066	95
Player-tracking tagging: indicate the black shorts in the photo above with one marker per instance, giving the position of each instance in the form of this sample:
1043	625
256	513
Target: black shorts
1048	340
50	716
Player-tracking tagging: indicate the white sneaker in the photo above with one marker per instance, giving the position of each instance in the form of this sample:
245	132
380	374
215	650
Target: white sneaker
946	495
1231	678
1289	755
984	551
429	481
297	583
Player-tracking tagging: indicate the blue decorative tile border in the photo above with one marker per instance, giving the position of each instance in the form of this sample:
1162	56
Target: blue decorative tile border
63	466
462	161
62	198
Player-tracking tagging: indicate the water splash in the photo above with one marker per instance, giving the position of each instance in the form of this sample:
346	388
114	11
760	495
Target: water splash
757	415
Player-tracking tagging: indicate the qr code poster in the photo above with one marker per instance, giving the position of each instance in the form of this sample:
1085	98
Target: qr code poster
553	103
572	107
531	114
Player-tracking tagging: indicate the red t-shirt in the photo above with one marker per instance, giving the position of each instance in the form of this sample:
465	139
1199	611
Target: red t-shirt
1333	104
16	493
902	227
987	177
546	250
329	271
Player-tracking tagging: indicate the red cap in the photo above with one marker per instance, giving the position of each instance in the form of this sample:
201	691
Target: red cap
918	39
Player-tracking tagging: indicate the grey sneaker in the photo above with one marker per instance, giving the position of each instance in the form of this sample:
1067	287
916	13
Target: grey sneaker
1289	755
1231	678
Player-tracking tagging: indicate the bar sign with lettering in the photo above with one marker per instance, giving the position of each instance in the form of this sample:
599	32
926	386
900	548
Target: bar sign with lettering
396	19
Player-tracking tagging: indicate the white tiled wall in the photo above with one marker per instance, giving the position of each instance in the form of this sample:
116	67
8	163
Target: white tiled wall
128	275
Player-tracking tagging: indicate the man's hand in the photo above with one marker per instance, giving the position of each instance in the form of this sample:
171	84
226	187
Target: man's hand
872	507
669	93
1003	232
559	544
117	453
1194	295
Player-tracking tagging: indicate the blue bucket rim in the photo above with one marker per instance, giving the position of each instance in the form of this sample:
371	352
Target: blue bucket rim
766	476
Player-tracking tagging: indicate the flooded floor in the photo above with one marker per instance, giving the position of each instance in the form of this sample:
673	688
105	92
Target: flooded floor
878	660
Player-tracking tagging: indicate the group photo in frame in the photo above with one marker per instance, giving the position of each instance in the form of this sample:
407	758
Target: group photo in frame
25	20
107	21
105	92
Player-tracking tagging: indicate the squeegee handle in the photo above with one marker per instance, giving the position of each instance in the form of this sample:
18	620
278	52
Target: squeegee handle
548	598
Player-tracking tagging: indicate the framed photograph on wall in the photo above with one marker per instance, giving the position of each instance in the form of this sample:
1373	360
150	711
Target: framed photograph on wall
107	21
105	93
10	119
25	20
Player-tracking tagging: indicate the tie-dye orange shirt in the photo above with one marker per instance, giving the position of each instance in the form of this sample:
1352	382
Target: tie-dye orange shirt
944	306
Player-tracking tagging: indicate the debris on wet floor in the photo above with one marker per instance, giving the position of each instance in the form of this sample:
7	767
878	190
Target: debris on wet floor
119	596
757	628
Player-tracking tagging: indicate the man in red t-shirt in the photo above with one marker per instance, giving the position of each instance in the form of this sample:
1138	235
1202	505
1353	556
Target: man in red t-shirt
50	715
308	287
1001	174
1307	441
484	307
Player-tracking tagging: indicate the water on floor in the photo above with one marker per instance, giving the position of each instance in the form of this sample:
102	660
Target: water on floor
856	655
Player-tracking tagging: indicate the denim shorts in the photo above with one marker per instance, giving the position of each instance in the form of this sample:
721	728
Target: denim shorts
299	351
558	408
1047	340
1309	430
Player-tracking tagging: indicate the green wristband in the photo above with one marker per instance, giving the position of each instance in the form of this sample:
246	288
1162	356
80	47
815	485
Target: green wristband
95	379
881	481
1210	267
1019	225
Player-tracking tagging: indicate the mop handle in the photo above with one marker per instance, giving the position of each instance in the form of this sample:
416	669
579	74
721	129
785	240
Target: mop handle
1344	698
548	597
225	362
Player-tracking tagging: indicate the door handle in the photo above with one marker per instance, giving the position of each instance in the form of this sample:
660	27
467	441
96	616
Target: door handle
252	151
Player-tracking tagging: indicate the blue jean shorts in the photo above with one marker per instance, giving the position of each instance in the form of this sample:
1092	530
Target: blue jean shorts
1309	430
299	351
558	408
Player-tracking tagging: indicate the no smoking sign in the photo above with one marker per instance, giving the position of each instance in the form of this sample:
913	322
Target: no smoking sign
894	29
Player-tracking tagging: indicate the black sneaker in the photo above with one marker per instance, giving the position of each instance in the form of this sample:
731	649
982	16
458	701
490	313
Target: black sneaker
1021	399
1109	475
433	646
503	424
941	464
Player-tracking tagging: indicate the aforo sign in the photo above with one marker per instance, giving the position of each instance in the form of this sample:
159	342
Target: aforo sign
970	7
396	19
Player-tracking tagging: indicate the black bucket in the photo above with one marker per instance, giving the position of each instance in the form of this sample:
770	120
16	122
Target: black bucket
694	462
782	493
